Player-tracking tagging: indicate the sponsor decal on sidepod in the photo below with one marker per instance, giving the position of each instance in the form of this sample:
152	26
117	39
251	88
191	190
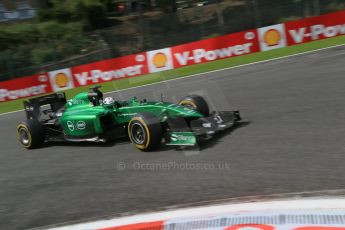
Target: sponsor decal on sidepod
81	125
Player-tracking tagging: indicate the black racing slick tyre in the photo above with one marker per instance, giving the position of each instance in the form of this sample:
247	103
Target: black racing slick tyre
196	103
145	131
30	133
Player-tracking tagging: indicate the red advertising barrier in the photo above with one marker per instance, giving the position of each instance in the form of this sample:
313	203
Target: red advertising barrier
315	28
24	87
232	45
212	49
109	70
99	72
227	46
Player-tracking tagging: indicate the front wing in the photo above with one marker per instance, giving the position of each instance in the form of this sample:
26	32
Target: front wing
203	128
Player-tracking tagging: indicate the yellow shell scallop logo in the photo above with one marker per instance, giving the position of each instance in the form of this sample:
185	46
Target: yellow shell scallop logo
272	37
61	80
160	60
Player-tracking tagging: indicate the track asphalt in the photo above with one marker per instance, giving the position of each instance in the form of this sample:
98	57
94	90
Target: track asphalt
292	139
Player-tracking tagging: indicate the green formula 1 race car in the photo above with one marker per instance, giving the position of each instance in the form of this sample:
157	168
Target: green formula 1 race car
89	117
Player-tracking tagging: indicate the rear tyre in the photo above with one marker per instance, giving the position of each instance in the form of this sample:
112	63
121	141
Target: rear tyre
30	133
145	131
196	103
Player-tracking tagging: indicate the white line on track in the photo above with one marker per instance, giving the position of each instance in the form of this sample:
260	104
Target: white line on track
213	71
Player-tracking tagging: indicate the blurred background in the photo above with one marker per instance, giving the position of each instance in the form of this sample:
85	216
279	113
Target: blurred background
37	36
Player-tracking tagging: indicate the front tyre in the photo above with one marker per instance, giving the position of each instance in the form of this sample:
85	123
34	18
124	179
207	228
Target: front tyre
145	131
30	133
197	103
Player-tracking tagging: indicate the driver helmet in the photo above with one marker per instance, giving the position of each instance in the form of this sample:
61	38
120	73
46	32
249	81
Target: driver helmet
108	101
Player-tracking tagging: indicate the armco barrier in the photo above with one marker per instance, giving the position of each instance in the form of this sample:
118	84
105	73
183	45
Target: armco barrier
232	45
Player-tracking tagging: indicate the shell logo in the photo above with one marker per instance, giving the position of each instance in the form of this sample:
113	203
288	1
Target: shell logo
272	37
160	60
61	80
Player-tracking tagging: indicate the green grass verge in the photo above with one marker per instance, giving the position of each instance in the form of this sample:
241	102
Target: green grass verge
195	69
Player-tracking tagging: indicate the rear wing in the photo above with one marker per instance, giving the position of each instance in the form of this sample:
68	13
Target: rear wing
32	106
